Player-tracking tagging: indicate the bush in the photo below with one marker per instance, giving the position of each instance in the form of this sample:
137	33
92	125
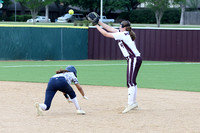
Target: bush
147	16
2	18
20	18
142	16
86	22
75	23
171	16
138	16
111	24
122	16
81	23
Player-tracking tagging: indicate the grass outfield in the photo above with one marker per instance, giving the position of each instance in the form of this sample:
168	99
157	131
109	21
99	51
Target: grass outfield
159	75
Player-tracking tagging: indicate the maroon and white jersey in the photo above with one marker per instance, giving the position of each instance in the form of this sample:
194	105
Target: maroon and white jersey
126	45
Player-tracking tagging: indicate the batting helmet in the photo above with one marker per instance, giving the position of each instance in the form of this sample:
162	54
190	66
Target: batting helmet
71	68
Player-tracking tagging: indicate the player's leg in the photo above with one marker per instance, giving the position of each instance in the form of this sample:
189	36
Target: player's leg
49	94
135	66
132	70
48	98
130	106
67	97
47	103
135	73
68	90
131	88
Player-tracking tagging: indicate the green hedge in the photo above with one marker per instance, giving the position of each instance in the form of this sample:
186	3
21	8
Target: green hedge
19	18
142	16
171	16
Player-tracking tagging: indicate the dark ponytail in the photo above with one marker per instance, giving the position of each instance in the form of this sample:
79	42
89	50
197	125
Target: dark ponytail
132	34
61	71
127	24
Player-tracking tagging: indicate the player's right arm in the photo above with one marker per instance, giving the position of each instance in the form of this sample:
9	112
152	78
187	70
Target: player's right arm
107	27
78	86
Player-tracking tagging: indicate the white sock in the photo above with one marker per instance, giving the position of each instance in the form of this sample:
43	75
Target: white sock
131	94
75	101
135	94
43	106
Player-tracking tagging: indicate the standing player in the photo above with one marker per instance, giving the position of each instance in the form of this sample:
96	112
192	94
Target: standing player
61	82
126	38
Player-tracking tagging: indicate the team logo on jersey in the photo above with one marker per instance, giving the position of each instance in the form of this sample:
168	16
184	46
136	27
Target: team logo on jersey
121	44
126	33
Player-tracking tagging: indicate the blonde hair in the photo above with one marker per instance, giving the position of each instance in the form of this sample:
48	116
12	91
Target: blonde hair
127	24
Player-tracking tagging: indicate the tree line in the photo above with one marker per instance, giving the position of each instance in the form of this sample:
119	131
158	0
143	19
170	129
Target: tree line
157	6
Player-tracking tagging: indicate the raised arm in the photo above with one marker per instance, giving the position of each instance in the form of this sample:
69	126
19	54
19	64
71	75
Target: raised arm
93	17
107	27
103	32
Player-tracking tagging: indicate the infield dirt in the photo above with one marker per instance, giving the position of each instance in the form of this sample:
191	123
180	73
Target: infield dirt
160	111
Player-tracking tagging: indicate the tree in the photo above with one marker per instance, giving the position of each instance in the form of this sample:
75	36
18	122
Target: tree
91	5
131	4
158	7
6	3
22	4
62	5
35	5
108	5
193	4
123	5
182	4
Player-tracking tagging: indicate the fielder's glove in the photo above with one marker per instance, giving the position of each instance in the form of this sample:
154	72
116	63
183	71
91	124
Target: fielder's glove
93	17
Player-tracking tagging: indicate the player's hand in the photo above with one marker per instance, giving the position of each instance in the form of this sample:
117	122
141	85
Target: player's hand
85	97
93	17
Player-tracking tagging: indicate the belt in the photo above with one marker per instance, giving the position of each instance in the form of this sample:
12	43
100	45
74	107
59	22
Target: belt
131	56
57	77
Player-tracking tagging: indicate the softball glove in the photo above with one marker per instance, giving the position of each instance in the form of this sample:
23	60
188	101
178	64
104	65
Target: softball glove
93	17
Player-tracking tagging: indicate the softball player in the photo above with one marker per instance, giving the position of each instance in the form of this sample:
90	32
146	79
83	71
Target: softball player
126	37
61	82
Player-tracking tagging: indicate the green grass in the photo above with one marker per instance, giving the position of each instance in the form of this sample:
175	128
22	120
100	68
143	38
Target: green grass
158	75
173	75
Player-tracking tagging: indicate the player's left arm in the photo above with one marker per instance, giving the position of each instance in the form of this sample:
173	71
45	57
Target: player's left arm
107	27
103	32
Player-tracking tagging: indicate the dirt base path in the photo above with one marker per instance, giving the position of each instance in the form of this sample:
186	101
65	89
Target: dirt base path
160	111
